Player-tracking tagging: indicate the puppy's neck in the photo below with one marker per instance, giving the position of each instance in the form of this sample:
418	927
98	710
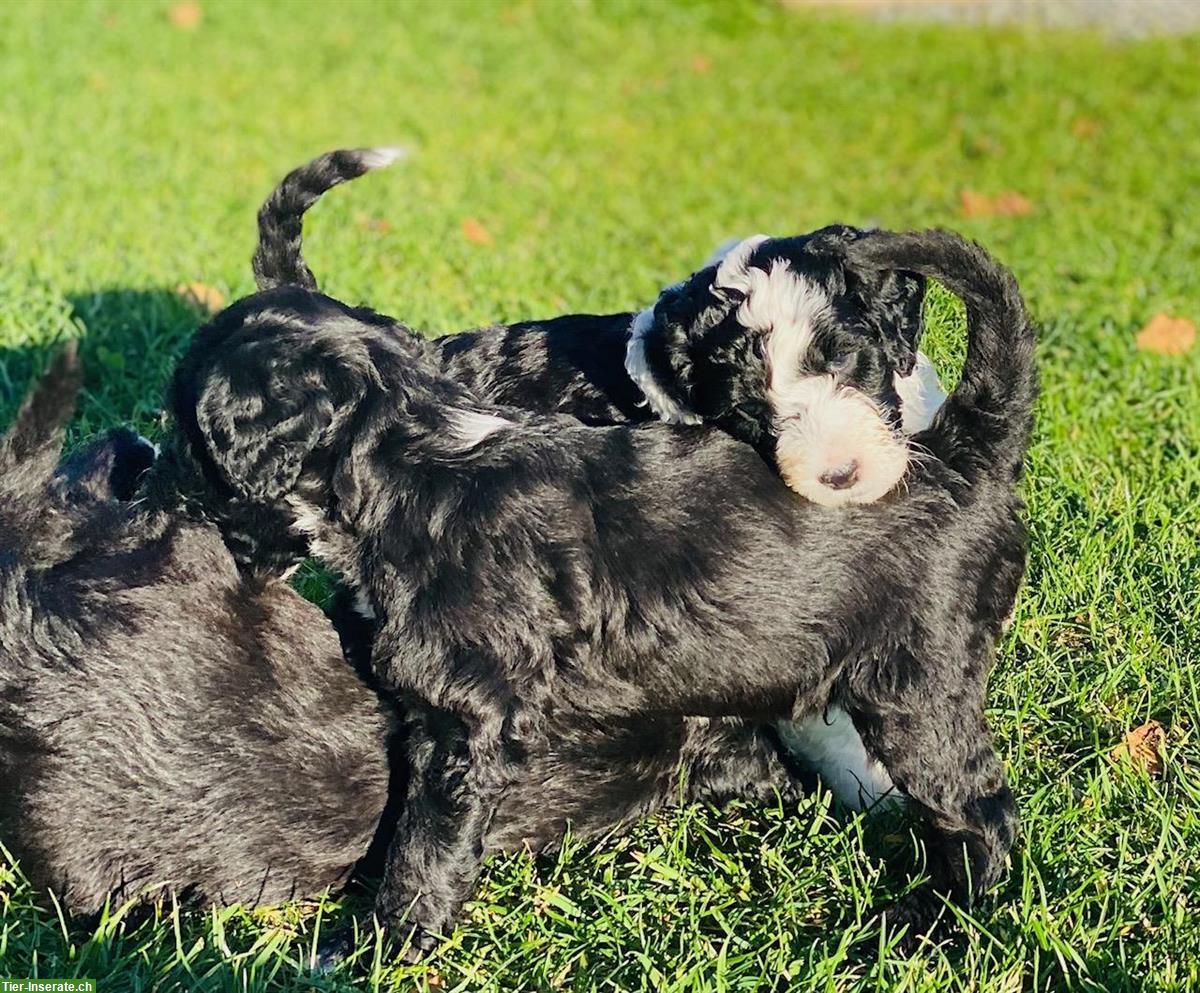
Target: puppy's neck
637	364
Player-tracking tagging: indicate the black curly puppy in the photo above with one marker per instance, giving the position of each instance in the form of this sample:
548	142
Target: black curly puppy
784	343
165	723
547	591
745	344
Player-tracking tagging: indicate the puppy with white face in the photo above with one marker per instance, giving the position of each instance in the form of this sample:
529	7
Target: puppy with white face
784	345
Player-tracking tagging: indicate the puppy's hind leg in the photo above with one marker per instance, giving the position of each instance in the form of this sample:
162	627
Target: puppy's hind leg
456	777
933	738
727	759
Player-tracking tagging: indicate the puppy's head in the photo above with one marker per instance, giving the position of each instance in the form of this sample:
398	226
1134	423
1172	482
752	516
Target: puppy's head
279	402
786	345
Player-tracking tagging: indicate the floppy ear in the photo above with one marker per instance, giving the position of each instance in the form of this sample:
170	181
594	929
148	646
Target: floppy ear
30	449
893	301
107	468
263	412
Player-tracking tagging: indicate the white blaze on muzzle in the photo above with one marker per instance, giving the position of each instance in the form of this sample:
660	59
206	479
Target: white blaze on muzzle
834	445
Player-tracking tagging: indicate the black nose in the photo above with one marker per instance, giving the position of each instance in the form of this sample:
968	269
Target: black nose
841	477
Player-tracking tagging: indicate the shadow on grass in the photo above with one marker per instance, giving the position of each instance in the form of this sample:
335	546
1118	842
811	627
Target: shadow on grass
129	342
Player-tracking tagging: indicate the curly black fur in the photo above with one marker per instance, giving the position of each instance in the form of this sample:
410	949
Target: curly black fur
165	723
551	595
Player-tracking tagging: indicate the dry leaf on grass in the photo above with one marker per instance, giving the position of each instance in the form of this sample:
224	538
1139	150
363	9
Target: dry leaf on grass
201	296
376	224
1007	204
185	15
1143	747
701	64
475	232
1167	335
1084	127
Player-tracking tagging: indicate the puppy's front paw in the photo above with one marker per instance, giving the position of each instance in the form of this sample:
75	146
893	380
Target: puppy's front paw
412	929
914	917
415	941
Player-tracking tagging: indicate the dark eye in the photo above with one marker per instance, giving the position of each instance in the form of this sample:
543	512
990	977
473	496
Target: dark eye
841	364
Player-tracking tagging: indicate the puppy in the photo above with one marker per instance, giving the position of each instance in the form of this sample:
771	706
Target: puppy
694	357
782	342
165	724
548	592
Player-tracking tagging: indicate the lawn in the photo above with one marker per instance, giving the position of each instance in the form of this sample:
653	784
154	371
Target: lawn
577	157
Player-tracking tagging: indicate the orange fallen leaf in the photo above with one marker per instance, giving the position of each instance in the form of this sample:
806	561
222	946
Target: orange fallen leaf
376	224
1143	746
701	64
1007	204
475	232
1167	335
201	295
185	15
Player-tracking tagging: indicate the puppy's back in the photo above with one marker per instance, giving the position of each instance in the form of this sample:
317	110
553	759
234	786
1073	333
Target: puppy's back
200	734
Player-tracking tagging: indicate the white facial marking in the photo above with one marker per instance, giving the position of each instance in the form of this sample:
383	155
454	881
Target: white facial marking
734	272
665	409
837	448
470	427
921	396
833	445
830	743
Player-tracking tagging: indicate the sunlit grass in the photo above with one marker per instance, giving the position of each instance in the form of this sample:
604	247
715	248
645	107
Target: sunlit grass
606	148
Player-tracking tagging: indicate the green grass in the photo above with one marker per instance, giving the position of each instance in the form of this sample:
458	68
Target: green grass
607	148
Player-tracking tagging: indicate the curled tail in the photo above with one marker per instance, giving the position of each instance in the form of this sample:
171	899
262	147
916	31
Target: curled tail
277	260
994	399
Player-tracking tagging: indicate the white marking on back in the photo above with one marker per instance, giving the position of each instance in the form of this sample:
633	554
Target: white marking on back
470	427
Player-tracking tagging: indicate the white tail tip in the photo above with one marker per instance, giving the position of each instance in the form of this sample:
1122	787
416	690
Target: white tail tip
377	158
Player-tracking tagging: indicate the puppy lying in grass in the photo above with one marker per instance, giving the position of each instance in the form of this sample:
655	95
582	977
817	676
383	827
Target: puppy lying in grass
557	603
166	725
